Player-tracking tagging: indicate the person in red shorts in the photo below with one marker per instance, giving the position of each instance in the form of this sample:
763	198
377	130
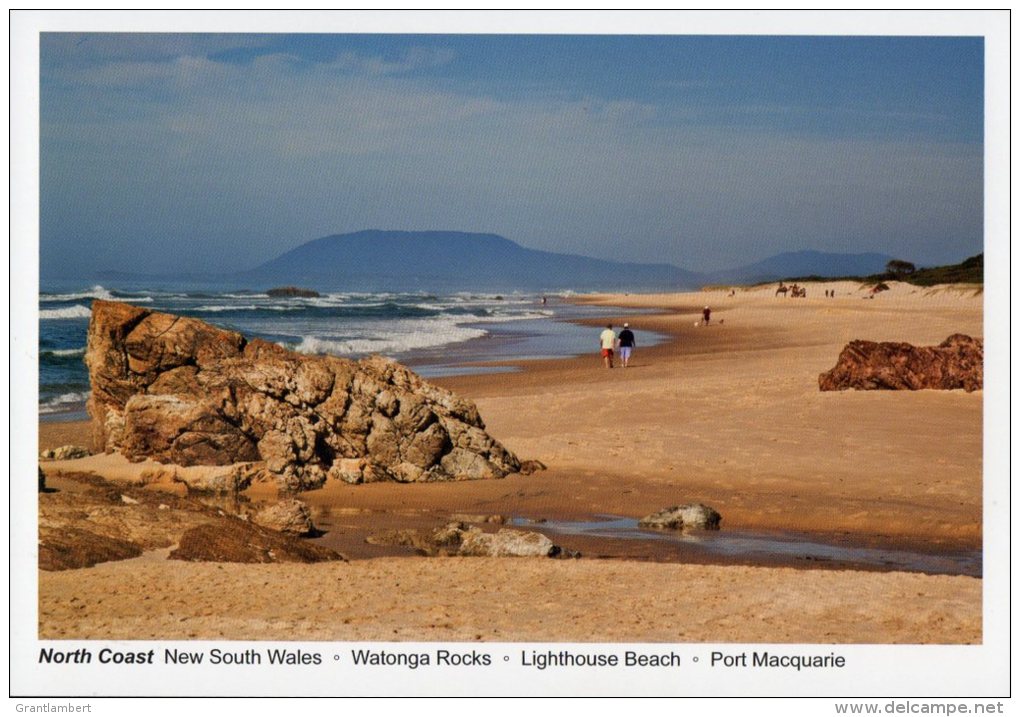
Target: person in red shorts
607	342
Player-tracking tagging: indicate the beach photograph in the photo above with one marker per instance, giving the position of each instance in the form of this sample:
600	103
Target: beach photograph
382	347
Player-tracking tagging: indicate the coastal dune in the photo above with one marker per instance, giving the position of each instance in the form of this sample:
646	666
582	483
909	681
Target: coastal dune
727	414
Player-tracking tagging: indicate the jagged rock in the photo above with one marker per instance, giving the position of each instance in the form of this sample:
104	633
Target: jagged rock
457	538
683	517
237	541
42	480
183	431
179	391
90	520
64	453
287	516
958	362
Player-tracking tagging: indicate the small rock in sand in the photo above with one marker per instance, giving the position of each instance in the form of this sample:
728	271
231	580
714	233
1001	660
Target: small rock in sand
682	517
65	453
460	539
287	516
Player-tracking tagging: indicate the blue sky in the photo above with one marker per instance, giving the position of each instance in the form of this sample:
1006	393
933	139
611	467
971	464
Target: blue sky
204	152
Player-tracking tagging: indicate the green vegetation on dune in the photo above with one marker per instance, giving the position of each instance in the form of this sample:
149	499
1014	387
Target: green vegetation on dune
969	271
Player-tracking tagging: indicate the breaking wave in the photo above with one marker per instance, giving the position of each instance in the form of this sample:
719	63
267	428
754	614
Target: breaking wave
63	402
400	340
67	312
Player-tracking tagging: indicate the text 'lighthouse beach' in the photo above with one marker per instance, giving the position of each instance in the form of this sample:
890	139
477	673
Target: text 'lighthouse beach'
421	427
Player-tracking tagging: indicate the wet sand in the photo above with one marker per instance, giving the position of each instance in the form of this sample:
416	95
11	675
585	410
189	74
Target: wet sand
727	414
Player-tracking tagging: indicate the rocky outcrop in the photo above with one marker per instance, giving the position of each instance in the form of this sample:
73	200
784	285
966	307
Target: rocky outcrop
180	391
236	541
460	539
293	292
85	520
691	516
72	548
958	362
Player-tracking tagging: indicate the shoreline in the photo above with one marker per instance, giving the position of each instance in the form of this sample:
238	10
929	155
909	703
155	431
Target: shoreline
664	314
728	415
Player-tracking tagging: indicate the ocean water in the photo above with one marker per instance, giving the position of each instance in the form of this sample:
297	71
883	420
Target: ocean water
435	334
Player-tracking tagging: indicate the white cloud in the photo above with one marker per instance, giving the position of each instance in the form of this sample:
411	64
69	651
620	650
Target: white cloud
81	49
414	58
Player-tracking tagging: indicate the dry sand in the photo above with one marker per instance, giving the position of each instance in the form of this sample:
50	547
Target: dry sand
727	414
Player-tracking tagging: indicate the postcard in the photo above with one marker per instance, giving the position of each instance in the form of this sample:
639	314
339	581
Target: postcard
404	354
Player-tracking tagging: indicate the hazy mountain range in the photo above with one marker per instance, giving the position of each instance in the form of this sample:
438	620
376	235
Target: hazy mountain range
444	260
383	260
376	260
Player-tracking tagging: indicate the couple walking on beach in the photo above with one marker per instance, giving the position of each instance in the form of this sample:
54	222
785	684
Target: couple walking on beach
609	342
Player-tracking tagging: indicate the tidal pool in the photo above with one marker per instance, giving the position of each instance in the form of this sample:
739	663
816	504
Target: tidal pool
763	546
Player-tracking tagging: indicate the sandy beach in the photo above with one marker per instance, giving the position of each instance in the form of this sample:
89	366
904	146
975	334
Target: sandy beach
727	414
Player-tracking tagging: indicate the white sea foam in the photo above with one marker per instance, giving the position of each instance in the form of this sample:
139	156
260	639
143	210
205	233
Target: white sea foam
402	336
331	300
67	312
216	308
67	352
496	318
63	402
96	292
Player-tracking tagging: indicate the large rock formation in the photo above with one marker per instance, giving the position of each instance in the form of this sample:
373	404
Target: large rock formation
180	391
958	362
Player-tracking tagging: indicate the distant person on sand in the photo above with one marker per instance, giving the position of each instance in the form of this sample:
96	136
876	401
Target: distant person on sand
627	344
706	314
607	342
